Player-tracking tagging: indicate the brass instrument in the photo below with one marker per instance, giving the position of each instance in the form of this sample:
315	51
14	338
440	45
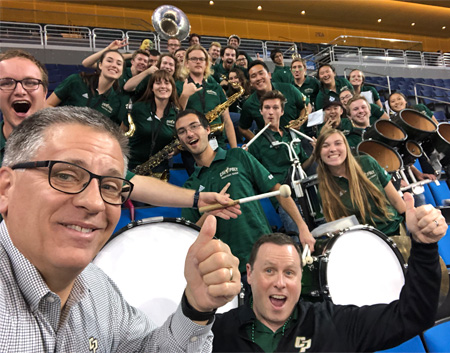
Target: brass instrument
297	123
170	22
155	160
132	127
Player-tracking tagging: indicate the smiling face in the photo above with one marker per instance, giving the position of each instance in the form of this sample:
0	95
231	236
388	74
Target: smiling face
214	52
112	66
196	62
242	61
140	62
229	58
397	102
345	96
326	75
360	113
275	279
61	233
259	79
271	111
333	113
333	152
356	78
233	42
162	89
20	104
168	64
192	135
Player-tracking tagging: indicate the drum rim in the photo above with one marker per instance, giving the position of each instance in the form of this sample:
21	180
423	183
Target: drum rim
383	121
399	116
384	145
153	220
323	264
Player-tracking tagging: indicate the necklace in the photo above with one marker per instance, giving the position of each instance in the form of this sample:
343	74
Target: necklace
253	324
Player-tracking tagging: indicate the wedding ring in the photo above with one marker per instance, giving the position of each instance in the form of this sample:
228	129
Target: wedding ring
231	274
437	223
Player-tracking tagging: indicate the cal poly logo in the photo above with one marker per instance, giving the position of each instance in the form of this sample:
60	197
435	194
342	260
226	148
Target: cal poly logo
302	343
93	344
229	171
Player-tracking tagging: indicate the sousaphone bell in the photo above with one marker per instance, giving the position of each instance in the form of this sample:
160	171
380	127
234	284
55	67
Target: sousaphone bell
170	22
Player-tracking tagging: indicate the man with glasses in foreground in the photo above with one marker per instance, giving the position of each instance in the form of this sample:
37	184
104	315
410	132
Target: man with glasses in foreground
61	187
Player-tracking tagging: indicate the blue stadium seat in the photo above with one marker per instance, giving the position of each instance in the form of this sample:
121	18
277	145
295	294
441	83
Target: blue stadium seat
271	214
178	177
440	115
440	192
436	338
413	345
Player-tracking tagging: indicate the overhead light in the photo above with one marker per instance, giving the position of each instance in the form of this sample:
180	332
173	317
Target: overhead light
379	20
413	24
259	8
303	12
443	27
211	2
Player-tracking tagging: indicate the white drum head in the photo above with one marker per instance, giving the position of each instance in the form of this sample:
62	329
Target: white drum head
147	264
363	269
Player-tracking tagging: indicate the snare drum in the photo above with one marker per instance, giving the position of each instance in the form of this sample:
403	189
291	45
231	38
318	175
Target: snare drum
359	266
146	261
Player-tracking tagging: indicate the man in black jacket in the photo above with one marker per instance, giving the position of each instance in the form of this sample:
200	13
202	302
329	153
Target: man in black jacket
274	320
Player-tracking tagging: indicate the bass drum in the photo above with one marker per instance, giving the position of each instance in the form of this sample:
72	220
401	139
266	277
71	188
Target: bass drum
359	266
146	261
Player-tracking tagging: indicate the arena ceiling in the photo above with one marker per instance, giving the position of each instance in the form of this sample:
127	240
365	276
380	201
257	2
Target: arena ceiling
429	16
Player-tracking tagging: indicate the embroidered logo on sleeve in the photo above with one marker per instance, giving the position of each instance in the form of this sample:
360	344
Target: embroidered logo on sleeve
302	343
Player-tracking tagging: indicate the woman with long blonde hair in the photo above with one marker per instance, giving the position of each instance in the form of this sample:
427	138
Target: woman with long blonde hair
355	186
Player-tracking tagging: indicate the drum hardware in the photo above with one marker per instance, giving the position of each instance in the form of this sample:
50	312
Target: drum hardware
437	147
247	145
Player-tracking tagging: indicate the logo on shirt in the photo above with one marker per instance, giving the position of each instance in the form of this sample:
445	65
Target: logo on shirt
107	107
170	123
370	174
85	95
93	344
201	188
229	171
302	343
209	91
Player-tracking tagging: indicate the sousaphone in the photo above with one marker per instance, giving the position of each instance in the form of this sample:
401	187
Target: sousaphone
170	22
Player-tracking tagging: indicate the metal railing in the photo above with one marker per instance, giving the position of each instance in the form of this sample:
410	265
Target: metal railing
431	98
67	37
28	35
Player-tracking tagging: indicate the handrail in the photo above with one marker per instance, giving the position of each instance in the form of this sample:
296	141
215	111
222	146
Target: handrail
429	98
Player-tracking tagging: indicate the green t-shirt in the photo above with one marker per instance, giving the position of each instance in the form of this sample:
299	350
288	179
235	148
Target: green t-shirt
293	107
152	133
73	91
422	108
373	90
380	178
126	75
325	94
282	74
310	88
247	177
206	100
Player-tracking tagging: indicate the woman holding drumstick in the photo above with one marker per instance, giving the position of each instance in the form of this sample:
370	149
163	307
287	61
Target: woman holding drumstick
356	185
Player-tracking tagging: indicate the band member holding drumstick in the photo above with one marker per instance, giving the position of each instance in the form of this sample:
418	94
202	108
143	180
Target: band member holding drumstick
214	170
275	320
277	157
61	190
355	186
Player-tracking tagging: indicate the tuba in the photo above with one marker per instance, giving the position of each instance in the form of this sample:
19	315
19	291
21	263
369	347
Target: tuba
170	22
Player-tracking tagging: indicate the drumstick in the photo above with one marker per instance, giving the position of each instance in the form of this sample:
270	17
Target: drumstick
306	256
302	135
283	191
247	145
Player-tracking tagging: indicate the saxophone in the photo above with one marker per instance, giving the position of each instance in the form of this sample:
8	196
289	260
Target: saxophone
155	160
132	127
297	123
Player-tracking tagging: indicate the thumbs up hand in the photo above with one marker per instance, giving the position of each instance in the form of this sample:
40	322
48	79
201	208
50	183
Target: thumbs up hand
211	271
426	223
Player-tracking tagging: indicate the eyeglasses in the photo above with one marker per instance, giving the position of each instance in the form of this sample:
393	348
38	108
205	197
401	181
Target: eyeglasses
28	84
197	59
70	178
295	68
193	127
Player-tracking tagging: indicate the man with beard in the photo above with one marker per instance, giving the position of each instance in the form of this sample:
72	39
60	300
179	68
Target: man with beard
260	82
222	69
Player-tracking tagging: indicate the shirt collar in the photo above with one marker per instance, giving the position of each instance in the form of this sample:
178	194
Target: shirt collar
221	154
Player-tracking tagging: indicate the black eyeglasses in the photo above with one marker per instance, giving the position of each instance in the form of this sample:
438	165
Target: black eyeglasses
28	84
194	59
70	178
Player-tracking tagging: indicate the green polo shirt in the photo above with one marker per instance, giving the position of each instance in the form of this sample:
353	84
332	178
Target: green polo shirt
2	142
126	75
151	131
247	177
219	73
73	91
206	100
375	94
310	88
293	107
380	178
264	337
276	159
354	137
282	74
345	126
325	94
